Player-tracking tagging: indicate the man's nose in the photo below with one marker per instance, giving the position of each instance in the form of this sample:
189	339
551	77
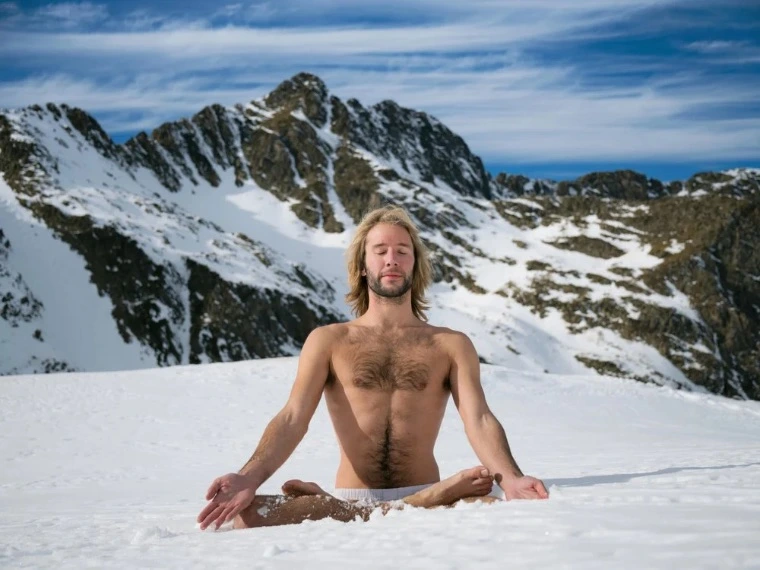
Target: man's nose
390	259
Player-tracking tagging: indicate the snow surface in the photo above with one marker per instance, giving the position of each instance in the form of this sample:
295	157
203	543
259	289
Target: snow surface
108	470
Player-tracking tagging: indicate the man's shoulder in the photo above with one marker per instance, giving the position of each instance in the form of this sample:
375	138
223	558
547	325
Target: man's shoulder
330	333
452	340
448	334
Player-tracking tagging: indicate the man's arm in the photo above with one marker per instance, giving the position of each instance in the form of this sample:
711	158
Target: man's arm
484	431
286	430
230	494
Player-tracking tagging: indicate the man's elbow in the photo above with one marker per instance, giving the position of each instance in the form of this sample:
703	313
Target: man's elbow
476	422
295	420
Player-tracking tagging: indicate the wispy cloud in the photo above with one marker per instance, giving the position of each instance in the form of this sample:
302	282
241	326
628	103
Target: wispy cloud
716	46
73	12
521	80
65	15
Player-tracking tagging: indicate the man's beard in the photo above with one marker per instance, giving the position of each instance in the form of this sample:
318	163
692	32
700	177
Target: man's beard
389	291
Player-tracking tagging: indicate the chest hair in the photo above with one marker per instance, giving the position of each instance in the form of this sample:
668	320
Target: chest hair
386	363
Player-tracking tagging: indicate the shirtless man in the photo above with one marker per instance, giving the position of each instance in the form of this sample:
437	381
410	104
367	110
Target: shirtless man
386	377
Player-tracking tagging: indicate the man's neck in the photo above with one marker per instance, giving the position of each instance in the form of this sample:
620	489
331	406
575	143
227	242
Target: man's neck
389	313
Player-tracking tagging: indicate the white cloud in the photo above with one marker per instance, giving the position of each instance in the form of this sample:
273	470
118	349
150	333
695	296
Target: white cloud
715	46
59	16
230	9
73	11
260	12
194	42
142	20
71	14
472	72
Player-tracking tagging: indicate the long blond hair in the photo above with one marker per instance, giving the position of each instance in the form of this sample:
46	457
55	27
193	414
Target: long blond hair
422	274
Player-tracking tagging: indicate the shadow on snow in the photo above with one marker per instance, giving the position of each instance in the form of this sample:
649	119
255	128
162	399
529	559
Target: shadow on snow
625	477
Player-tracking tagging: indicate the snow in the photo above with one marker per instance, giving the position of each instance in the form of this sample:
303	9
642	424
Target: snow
743	173
109	471
52	270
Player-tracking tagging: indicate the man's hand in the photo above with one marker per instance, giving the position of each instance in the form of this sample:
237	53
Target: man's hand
524	487
227	496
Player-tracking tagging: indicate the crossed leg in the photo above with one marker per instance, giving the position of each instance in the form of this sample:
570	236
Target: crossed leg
308	501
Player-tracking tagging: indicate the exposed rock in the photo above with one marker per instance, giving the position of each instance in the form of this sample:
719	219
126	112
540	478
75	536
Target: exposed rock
355	183
516	185
17	160
304	92
17	302
146	307
232	321
148	153
590	246
90	129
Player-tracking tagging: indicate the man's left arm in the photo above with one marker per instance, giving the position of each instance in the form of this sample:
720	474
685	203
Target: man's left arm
484	431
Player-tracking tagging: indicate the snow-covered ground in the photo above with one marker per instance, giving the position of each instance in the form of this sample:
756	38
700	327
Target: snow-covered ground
108	470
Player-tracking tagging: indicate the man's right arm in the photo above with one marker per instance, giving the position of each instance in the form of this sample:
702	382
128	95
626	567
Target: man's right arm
289	426
230	494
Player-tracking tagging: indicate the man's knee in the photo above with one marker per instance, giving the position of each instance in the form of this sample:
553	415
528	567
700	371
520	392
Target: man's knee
485	499
273	510
260	512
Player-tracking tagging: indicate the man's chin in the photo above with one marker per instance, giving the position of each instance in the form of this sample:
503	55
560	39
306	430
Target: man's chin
391	294
390	291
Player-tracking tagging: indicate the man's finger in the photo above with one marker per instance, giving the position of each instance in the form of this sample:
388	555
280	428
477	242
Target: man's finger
214	488
541	489
238	508
205	512
224	517
211	517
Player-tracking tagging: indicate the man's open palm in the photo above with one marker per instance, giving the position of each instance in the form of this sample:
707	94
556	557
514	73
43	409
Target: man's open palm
525	488
227	496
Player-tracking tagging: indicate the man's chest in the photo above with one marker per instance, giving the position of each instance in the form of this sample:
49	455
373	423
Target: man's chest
387	364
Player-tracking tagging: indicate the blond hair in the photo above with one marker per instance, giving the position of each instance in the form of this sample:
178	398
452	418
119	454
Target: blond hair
358	294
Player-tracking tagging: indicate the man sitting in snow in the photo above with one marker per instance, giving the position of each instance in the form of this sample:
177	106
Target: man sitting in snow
386	377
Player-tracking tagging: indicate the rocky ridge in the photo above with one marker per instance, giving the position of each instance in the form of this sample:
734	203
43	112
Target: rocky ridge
670	266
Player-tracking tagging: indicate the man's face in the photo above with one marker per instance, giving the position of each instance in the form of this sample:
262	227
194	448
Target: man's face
389	260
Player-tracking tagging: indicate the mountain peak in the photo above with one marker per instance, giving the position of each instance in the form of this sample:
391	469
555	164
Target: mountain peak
303	91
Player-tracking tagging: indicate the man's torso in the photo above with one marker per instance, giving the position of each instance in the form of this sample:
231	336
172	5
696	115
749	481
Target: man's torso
386	394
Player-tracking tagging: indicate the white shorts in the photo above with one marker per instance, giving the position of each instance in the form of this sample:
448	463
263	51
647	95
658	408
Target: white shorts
378	495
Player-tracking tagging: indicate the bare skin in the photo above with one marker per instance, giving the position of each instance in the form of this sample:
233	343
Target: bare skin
308	501
473	482
386	378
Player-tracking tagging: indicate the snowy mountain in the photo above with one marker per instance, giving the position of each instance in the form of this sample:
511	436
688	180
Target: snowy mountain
220	238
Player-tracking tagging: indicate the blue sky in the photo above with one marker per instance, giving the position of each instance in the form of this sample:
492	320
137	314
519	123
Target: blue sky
546	88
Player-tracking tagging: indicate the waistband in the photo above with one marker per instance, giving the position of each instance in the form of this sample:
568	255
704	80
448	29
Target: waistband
378	495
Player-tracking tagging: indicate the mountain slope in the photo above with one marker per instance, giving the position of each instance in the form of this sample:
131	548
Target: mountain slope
220	237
